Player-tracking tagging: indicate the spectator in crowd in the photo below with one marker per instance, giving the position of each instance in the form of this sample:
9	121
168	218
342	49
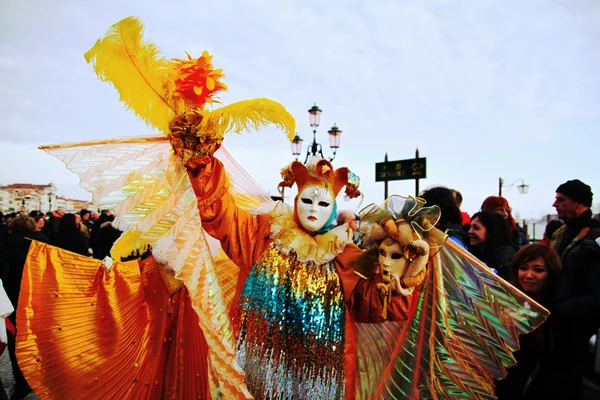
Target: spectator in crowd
572	203
490	241
465	218
9	217
4	228
40	222
13	253
350	218
70	237
500	206
106	214
51	228
450	220
576	311
81	226
347	217
535	270
105	237
86	219
551	227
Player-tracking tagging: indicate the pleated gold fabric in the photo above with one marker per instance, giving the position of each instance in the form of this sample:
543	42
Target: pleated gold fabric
86	332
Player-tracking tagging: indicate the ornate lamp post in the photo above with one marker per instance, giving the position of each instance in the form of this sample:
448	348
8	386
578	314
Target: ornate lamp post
315	148
522	188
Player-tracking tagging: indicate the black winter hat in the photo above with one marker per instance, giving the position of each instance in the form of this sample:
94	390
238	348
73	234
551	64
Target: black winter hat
578	191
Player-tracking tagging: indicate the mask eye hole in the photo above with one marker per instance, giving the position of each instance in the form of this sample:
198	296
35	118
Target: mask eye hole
396	256
323	204
306	200
382	252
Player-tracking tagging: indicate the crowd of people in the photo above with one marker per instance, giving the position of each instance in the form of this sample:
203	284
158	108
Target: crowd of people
559	360
561	272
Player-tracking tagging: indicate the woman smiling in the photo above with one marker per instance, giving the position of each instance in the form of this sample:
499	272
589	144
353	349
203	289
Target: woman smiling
535	270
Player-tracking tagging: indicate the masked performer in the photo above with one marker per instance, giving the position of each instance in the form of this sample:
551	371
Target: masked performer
287	316
295	283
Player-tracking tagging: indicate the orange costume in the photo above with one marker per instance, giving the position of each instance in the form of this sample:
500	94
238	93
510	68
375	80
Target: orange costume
296	289
288	318
129	332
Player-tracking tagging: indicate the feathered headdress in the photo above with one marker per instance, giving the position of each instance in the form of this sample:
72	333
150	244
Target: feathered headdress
171	95
320	172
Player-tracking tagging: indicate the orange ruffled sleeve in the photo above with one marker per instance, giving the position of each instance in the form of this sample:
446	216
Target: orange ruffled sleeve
86	332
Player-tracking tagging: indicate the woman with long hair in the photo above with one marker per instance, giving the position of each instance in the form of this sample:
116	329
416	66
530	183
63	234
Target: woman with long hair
535	271
450	219
499	205
490	241
70	236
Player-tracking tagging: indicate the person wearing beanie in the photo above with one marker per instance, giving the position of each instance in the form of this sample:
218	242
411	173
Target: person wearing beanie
575	309
573	202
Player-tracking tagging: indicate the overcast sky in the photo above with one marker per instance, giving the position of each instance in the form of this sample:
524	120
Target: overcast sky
484	88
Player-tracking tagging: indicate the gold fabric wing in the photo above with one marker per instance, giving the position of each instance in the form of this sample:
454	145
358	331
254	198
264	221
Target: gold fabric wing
149	191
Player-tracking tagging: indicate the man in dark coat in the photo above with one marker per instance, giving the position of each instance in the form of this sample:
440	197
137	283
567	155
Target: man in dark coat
51	228
573	202
575	313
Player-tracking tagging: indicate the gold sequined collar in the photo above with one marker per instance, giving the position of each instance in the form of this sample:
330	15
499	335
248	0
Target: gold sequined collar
287	236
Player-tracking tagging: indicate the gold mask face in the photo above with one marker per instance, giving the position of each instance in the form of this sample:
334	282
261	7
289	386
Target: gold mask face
391	260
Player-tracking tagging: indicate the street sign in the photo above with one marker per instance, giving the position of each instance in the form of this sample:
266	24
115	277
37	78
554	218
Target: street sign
414	168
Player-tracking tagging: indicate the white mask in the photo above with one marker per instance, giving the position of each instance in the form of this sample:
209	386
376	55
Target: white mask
314	206
391	260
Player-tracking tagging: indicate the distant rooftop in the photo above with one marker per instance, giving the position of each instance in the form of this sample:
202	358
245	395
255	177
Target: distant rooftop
26	186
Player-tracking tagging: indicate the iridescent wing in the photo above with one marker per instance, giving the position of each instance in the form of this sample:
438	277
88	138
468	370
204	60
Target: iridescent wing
461	335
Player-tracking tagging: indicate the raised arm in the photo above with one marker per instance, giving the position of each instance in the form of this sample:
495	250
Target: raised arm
242	235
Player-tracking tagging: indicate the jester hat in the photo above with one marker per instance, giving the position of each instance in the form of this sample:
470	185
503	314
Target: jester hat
320	172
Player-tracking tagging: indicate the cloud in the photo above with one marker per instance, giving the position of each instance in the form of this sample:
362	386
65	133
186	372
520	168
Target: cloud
484	90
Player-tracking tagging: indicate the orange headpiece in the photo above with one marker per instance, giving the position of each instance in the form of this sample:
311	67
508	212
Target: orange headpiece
320	172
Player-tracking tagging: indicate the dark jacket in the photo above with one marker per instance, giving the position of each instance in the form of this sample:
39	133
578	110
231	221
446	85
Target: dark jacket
574	318
457	233
106	236
76	242
513	386
567	236
13	254
498	258
51	227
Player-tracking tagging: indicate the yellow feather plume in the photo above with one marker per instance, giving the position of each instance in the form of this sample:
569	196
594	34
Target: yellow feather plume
128	244
248	115
136	71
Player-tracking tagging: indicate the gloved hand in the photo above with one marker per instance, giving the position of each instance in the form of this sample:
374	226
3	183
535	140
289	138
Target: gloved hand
193	146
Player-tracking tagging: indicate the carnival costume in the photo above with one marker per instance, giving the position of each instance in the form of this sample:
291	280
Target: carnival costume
287	316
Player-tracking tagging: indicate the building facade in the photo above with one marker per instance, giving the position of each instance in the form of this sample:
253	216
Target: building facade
27	197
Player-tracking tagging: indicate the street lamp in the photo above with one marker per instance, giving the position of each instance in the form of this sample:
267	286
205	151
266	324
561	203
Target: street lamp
522	188
315	148
297	146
